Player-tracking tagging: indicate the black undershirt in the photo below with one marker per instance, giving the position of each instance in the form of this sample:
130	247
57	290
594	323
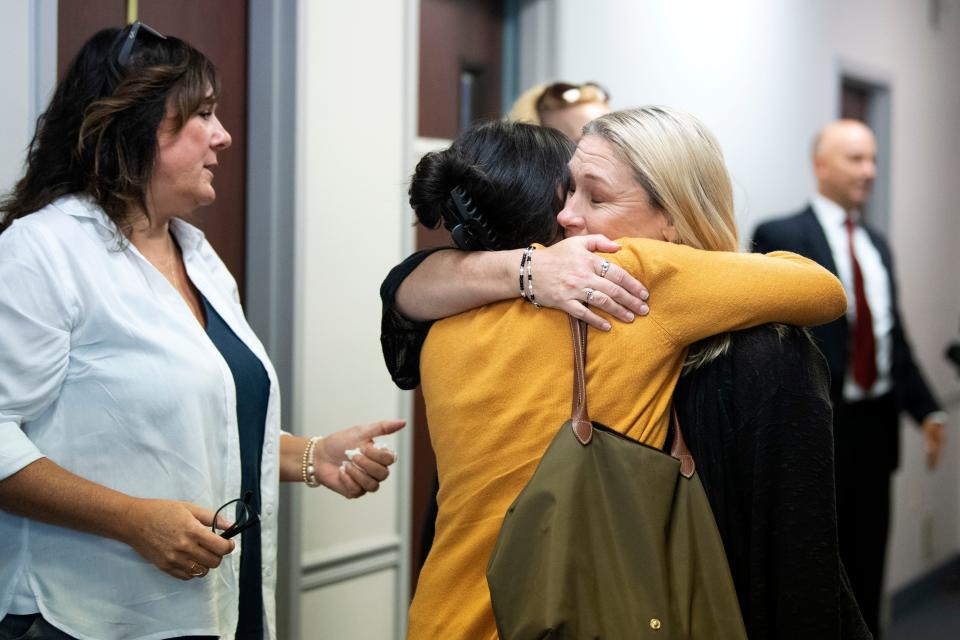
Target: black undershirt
253	393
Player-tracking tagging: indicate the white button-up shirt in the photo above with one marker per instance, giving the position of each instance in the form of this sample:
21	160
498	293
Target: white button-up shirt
105	371
876	285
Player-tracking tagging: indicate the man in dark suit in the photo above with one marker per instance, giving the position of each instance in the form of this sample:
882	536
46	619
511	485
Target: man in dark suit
873	372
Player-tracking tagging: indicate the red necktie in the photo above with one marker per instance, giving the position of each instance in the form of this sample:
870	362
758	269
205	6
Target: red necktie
864	358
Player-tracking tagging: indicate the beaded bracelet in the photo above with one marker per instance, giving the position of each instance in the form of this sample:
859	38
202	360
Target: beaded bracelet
526	273
307	469
532	298
523	263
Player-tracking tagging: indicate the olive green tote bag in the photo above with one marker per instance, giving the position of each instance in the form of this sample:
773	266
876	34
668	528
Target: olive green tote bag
611	539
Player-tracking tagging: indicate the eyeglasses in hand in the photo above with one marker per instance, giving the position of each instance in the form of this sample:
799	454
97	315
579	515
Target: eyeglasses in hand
244	517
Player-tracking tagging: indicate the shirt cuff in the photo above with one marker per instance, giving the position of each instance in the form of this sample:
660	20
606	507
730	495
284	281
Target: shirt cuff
938	416
17	450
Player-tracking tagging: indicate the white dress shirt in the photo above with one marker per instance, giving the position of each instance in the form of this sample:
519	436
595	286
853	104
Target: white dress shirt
105	371
876	285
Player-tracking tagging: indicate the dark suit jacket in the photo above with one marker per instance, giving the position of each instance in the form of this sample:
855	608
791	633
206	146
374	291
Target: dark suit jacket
801	233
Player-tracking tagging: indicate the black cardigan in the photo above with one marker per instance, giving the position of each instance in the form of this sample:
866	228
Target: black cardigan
758	421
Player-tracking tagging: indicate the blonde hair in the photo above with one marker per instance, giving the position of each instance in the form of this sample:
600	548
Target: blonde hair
525	107
676	159
680	164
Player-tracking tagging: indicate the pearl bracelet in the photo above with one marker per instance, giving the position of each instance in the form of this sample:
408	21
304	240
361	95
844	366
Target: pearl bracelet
526	269
308	470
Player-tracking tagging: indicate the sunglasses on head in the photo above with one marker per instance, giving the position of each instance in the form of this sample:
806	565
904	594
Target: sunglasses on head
563	94
132	32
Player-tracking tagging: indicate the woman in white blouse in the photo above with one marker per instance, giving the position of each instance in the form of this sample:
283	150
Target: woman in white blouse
134	397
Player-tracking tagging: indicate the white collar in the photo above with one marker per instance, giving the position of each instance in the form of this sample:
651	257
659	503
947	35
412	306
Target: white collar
82	205
829	213
187	235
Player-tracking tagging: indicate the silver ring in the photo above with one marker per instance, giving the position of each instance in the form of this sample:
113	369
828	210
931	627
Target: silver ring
197	570
589	293
604	267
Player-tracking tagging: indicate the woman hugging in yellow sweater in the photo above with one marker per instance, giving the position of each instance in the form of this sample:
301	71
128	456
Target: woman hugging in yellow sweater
654	178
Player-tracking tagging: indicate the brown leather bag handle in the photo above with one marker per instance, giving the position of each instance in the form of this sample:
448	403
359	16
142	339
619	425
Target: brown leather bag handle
580	416
679	450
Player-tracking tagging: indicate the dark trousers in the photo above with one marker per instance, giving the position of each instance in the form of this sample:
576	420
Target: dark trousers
29	627
866	438
34	627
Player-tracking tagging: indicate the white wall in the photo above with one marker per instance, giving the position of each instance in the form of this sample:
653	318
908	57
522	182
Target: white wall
764	76
16	108
351	161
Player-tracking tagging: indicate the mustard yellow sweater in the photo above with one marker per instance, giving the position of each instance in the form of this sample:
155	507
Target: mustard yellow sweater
497	383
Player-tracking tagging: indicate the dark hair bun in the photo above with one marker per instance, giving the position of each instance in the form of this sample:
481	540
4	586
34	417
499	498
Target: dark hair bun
437	173
512	179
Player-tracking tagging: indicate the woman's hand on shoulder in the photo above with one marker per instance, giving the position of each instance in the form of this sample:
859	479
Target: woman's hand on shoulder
566	273
176	537
351	463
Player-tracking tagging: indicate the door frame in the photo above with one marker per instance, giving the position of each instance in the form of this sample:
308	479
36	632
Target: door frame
44	63
270	257
879	86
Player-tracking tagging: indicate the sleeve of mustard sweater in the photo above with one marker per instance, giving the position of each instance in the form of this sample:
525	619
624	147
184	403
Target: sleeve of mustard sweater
696	293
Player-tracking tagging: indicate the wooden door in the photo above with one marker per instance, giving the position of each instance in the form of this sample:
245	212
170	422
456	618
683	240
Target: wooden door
460	83
77	21
224	222
854	101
